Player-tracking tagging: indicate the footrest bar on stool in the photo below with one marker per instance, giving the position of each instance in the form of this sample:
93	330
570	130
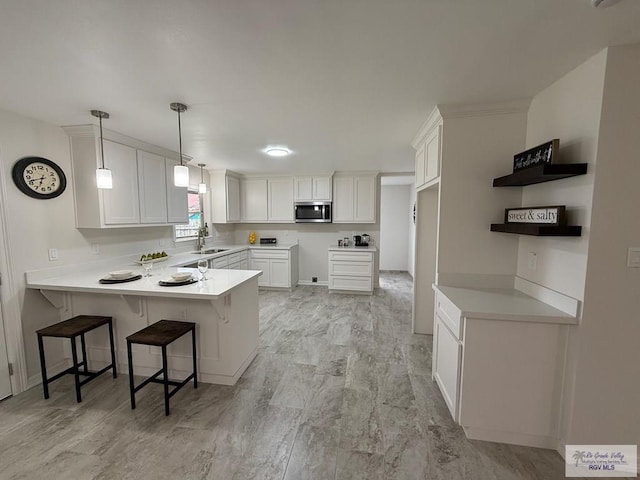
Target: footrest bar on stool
148	380
92	375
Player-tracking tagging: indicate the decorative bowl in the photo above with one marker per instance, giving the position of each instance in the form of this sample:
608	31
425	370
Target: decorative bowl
181	276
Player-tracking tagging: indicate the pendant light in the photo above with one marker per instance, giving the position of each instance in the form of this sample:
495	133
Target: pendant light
180	172
103	175
202	187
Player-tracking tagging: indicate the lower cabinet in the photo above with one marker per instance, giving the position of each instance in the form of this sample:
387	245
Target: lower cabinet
351	271
446	364
232	261
279	266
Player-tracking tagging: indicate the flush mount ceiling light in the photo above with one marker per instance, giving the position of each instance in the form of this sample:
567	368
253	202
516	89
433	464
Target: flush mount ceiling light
604	3
278	151
103	175
202	187
180	172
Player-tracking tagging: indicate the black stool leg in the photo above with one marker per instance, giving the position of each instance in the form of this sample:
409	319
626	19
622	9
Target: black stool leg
131	387
195	373
43	368
84	353
76	375
165	374
113	352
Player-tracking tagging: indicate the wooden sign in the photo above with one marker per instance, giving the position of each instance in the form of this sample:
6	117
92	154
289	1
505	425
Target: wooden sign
539	155
555	215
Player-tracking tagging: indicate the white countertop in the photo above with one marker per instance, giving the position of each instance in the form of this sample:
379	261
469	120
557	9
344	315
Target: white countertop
351	248
503	304
218	284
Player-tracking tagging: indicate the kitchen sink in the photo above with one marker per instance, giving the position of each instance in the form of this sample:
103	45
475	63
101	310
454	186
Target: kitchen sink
211	250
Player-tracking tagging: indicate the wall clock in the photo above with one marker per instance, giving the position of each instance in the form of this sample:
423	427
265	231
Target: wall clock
39	177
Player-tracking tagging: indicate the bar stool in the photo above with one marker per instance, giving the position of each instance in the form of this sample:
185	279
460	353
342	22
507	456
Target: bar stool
72	328
161	334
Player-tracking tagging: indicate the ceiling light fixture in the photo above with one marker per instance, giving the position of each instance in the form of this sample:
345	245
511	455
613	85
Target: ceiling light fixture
103	175
180	172
202	187
277	151
604	3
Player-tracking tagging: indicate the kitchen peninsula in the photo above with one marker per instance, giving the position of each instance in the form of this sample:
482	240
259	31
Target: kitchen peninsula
224	307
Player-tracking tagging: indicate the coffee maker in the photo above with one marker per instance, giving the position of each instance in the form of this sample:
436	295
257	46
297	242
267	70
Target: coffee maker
361	240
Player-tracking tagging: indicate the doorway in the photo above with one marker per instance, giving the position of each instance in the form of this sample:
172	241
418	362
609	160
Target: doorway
396	223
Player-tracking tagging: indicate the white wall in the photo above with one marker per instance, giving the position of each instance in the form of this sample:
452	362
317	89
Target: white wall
412	232
394	227
607	392
33	226
569	110
313	242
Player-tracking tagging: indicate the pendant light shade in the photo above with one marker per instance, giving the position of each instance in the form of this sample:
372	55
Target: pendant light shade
202	187
103	175
180	172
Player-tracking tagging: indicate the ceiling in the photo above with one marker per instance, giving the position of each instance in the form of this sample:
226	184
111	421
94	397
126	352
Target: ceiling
344	83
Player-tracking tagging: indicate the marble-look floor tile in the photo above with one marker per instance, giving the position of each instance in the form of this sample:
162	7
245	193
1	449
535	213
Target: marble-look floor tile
352	465
314	454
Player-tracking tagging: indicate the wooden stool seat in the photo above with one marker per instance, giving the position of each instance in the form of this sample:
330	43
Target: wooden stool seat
71	329
161	334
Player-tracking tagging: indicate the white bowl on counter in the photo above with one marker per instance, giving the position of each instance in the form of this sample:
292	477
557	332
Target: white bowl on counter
181	276
121	274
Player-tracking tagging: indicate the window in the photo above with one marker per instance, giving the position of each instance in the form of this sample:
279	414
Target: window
196	217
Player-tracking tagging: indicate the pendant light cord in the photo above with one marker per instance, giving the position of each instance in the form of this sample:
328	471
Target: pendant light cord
101	142
180	136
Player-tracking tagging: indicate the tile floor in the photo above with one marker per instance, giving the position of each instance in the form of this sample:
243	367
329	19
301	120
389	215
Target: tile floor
340	389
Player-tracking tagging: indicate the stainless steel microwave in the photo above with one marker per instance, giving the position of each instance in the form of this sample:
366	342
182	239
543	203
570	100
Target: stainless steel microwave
312	212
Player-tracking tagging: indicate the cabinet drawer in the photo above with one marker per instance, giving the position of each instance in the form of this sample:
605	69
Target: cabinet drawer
266	253
344	282
450	314
359	269
351	256
220	262
235	257
235	266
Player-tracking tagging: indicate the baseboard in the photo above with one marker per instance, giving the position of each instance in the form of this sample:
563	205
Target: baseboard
36	379
512	438
307	283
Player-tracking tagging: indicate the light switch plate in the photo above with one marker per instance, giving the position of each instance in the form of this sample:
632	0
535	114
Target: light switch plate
533	260
53	254
633	258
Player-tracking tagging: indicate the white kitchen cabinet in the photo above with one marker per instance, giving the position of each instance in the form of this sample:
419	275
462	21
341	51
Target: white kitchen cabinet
279	266
143	193
121	203
446	364
421	168
153	200
428	156
354	198
280	200
177	208
253	199
351	270
312	188
225	197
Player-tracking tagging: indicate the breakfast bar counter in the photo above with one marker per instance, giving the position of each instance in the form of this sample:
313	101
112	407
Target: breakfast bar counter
224	307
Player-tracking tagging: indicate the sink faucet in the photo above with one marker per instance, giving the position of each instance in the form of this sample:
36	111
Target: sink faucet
200	242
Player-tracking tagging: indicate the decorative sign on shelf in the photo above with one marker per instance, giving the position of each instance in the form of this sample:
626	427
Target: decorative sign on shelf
542	154
555	215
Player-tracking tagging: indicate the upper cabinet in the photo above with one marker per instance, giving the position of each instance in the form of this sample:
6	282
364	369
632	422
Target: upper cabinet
354	198
143	193
225	197
280	200
253	199
264	200
312	188
428	153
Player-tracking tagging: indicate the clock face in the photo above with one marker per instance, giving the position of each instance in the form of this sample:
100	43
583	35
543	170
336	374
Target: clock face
39	177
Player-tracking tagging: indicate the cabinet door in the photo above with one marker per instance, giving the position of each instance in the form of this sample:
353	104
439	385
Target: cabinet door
302	189
263	265
322	188
421	166
152	190
233	199
365	199
279	273
253	199
177	211
432	156
121	204
343	210
447	352
281	200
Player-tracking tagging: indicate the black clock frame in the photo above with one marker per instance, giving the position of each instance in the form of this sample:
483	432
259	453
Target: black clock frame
17	174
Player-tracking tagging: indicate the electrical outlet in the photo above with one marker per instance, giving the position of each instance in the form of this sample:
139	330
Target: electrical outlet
633	258
533	260
95	248
53	254
183	314
314	279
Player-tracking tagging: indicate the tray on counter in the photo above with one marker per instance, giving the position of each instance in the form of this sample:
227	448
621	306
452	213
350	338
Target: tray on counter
107	280
167	283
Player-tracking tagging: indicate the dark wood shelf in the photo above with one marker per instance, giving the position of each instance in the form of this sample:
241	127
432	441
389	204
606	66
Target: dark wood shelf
540	174
538	230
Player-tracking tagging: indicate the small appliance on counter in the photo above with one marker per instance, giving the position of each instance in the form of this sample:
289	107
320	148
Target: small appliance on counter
361	240
268	241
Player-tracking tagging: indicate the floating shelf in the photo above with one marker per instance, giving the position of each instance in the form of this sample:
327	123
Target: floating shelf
540	174
538	230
